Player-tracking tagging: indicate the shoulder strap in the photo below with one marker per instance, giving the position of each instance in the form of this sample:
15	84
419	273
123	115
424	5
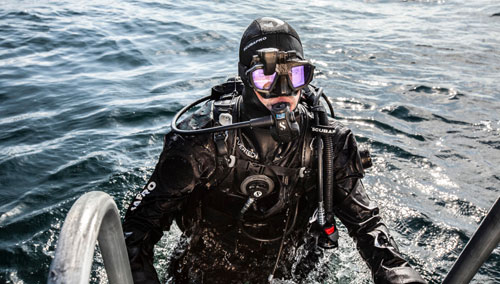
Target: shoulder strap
225	108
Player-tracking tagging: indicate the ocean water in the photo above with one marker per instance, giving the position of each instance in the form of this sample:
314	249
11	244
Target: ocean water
88	89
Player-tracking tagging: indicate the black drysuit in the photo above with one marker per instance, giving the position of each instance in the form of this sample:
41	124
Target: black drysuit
200	189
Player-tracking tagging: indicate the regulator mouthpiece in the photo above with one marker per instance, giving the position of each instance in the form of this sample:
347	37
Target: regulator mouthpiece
285	127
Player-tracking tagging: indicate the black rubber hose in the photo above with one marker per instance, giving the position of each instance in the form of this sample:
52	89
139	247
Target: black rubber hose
329	104
320	145
255	122
263	240
328	166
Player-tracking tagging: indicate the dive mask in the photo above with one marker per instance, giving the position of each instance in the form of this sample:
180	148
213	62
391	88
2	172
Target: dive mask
272	65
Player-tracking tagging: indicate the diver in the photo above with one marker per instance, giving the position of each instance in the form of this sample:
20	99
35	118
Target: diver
256	177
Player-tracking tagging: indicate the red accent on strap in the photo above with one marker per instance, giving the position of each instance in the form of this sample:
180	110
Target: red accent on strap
330	230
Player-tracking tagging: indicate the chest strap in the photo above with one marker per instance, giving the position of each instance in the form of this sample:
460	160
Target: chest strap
279	171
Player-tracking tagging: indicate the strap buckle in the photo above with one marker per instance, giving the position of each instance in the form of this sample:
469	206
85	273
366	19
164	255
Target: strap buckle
220	143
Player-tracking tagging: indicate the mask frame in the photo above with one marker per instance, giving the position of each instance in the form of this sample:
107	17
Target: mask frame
280	64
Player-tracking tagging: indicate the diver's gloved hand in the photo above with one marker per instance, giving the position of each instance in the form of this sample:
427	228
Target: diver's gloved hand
140	253
397	275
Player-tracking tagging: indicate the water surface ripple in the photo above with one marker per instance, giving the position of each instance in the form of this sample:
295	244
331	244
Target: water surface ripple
88	89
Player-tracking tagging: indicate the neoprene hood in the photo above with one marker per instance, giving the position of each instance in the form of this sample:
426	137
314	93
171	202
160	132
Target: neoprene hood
264	32
268	32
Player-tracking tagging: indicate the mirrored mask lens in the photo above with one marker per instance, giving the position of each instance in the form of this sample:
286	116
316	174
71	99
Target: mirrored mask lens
261	81
297	76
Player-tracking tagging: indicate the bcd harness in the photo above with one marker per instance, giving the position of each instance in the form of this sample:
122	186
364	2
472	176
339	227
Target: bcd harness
225	110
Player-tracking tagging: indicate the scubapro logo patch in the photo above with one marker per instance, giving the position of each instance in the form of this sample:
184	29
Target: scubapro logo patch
282	126
138	198
323	130
254	43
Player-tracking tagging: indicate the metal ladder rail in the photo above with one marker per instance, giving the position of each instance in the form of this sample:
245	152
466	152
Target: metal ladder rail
478	249
94	216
